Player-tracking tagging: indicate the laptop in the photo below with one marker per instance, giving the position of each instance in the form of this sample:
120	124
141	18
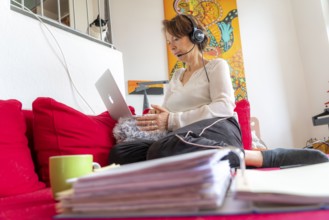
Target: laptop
112	97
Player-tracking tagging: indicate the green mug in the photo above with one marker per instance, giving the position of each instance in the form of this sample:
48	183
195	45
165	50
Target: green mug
62	168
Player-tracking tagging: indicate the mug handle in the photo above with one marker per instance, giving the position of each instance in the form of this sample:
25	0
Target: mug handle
96	166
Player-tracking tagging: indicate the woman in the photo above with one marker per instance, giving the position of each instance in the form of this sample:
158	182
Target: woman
198	107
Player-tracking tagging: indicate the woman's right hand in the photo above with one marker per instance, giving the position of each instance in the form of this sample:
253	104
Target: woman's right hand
155	119
163	115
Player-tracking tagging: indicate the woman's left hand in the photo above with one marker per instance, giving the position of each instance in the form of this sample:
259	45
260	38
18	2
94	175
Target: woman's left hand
153	122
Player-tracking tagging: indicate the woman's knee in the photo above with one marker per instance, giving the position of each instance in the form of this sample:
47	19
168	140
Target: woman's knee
115	156
129	152
172	145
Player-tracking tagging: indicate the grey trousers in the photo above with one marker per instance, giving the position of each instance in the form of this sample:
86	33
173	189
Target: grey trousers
218	133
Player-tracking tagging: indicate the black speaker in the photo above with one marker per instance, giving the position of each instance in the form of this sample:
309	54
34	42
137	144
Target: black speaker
196	36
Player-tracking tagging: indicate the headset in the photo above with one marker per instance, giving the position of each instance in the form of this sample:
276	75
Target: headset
196	36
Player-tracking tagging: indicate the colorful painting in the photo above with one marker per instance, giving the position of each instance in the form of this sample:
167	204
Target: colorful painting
134	88
220	18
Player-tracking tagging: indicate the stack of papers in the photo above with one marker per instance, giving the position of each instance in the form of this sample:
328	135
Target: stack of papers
304	185
183	183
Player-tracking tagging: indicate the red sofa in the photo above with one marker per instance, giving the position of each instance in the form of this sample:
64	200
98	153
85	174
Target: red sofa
29	137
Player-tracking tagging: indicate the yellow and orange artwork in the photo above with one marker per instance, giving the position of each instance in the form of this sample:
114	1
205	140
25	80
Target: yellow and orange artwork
220	18
134	88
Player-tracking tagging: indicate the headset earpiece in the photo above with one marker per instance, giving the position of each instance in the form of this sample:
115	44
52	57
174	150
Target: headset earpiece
196	36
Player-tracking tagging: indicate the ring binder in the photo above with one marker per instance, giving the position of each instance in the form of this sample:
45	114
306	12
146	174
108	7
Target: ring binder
184	183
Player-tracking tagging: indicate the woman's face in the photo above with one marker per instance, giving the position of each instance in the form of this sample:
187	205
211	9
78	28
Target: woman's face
179	46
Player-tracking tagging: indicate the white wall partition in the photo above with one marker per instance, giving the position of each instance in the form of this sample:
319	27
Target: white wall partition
31	63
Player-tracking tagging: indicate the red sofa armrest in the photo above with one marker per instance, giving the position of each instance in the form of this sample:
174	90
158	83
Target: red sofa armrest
243	110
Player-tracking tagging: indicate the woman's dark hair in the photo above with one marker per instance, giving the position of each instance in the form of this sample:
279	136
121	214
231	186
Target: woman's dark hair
181	26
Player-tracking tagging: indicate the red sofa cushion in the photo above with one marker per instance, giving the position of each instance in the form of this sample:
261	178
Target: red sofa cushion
243	110
16	165
61	130
34	205
28	116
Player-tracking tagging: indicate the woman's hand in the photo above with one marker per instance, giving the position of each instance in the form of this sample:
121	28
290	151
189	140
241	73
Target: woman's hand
156	119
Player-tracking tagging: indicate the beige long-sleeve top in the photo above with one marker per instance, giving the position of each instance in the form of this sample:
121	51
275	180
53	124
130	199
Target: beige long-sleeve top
199	99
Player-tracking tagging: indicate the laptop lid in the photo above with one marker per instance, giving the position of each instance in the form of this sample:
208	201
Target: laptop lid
112	97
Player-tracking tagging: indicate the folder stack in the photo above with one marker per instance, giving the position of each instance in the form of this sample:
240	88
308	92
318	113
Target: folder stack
184	183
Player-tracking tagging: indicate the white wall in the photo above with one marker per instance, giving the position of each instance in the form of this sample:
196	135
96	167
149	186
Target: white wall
278	62
138	34
312	26
274	71
285	48
31	64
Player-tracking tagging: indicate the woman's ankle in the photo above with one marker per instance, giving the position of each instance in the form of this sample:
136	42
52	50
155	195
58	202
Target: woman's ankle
253	158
